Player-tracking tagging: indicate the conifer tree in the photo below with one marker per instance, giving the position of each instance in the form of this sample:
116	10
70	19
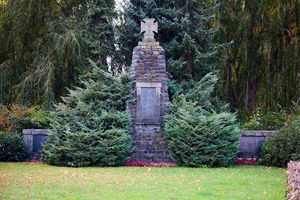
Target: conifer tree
199	128
185	32
91	125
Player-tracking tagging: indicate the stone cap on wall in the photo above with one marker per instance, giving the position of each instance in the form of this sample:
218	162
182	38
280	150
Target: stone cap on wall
257	133
34	139
36	131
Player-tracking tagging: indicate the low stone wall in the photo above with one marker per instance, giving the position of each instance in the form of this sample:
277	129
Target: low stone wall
251	143
293	181
34	139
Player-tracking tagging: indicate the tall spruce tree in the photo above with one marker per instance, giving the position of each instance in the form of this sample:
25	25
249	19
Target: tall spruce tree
185	32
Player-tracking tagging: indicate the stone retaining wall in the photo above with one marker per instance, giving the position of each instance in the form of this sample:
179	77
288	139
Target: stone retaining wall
150	142
293	181
251	143
34	139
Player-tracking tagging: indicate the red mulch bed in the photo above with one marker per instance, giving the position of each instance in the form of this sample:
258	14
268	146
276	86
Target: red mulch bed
246	161
149	164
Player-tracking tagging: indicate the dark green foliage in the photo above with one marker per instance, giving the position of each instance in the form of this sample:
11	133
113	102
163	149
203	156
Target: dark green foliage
267	121
12	147
295	109
185	32
283	145
200	131
99	148
91	126
273	121
45	43
263	62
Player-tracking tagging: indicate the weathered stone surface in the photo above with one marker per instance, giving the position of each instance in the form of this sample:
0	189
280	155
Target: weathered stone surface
293	181
251	143
35	138
149	104
150	92
148	27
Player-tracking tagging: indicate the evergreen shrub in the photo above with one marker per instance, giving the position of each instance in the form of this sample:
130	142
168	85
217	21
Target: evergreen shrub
265	121
283	145
91	126
12	147
16	118
200	130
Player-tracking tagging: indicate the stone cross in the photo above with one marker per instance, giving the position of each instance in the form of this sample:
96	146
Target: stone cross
148	26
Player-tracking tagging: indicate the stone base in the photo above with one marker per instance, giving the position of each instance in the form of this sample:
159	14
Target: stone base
151	43
149	144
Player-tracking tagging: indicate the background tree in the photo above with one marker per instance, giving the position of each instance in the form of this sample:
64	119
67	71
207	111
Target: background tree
261	66
263	63
185	32
45	45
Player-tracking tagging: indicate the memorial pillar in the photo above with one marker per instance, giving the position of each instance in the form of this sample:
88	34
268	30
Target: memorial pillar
150	97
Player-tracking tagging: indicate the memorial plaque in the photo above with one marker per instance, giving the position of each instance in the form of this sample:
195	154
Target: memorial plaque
149	104
148	109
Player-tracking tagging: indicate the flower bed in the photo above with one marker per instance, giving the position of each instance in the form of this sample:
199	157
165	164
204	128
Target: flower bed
149	164
33	161
293	181
245	162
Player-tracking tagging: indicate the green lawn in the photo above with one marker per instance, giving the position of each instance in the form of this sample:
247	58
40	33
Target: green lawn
39	181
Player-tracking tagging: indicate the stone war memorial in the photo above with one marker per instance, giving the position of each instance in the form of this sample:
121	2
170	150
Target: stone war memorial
150	94
149	106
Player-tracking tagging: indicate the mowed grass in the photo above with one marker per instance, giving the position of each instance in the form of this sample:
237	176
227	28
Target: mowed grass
40	181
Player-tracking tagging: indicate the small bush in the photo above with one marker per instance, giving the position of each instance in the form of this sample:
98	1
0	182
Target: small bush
34	118
199	132
273	121
107	148
283	145
17	118
6	121
267	121
12	147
